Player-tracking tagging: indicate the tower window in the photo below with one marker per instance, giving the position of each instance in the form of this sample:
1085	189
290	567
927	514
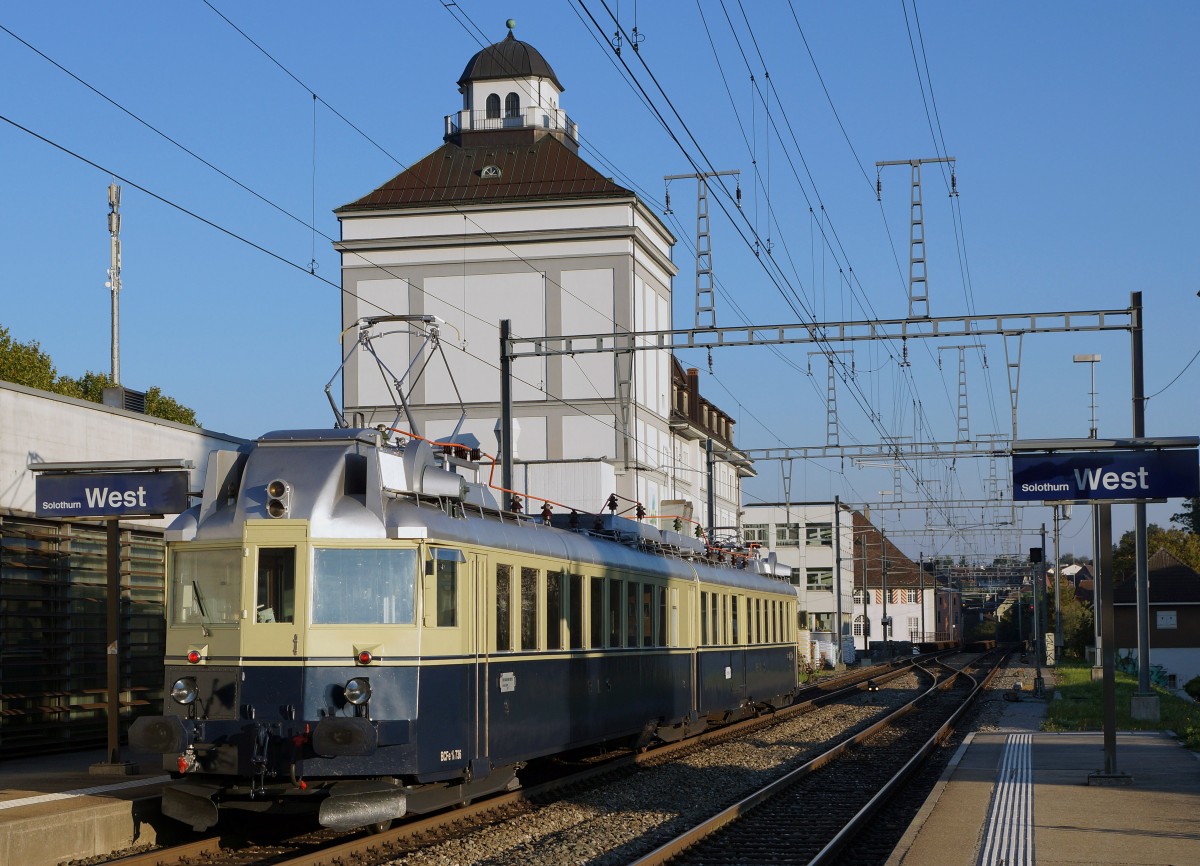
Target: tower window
512	105
493	106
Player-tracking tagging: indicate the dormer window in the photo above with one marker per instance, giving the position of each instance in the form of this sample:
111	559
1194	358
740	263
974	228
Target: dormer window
493	107
512	105
490	171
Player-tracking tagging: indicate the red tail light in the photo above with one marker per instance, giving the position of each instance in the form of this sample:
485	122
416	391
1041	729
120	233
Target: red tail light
365	657
193	656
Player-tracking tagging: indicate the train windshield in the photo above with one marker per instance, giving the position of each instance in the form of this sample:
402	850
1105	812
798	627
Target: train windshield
357	586
206	586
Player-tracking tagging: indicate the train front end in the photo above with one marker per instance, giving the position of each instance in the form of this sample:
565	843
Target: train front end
290	616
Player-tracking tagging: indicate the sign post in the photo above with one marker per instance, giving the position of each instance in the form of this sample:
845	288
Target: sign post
1104	472
112	490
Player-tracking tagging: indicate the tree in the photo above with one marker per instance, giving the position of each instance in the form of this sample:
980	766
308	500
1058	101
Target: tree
26	364
1189	518
1078	629
1185	545
160	405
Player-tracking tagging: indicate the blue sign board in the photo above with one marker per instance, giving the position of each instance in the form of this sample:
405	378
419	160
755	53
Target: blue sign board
112	494
1106	475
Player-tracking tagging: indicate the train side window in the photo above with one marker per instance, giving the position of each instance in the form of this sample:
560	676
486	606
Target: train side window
724	620
703	618
614	612
661	592
673	638
445	571
648	614
631	613
575	611
597	612
276	598
503	608
751	621
529	608
554	608
733	609
759	621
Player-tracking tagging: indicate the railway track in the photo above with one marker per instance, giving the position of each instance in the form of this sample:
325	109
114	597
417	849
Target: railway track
584	797
782	823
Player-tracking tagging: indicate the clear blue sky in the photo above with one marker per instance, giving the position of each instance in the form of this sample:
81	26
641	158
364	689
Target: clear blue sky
1074	125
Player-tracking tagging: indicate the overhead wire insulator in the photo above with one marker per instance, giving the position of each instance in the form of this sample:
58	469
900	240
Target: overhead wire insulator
667	210
546	512
612	503
738	193
878	186
515	504
953	183
639	512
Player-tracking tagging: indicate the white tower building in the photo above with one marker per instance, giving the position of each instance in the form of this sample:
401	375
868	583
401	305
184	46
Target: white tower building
506	221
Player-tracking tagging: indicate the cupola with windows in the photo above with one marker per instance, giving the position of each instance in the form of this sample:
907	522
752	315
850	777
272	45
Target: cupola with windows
510	95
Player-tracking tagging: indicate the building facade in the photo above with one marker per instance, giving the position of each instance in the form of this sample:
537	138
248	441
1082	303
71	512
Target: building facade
505	221
1174	620
814	540
896	601
53	572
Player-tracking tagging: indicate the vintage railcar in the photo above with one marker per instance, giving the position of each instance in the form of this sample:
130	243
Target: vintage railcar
354	628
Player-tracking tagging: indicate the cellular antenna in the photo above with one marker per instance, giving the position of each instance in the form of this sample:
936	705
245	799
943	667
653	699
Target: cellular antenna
114	275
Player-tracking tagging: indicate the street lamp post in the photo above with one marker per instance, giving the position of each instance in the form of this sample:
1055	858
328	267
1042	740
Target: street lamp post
1091	360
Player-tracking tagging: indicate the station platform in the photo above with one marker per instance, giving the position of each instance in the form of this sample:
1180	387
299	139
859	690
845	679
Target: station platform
1017	797
53	809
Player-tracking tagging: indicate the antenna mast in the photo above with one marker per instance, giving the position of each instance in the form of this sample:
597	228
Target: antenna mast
114	275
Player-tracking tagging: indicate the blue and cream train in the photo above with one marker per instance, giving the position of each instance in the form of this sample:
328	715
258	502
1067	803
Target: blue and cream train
354	628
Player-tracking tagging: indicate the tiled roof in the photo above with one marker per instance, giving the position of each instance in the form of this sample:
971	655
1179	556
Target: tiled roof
902	572
1171	582
529	171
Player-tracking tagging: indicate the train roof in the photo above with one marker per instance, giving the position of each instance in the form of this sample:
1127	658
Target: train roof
355	483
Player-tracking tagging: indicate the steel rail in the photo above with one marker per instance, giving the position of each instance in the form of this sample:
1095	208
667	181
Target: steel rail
206	850
671	849
856	824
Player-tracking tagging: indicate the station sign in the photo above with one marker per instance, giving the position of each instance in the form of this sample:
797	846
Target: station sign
111	494
1106	475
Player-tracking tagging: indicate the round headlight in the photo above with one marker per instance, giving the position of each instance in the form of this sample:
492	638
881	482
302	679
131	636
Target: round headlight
183	690
358	691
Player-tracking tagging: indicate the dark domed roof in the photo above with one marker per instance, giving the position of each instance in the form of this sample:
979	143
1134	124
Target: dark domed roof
508	58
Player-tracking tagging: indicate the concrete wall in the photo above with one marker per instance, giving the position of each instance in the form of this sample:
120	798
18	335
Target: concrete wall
40	427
